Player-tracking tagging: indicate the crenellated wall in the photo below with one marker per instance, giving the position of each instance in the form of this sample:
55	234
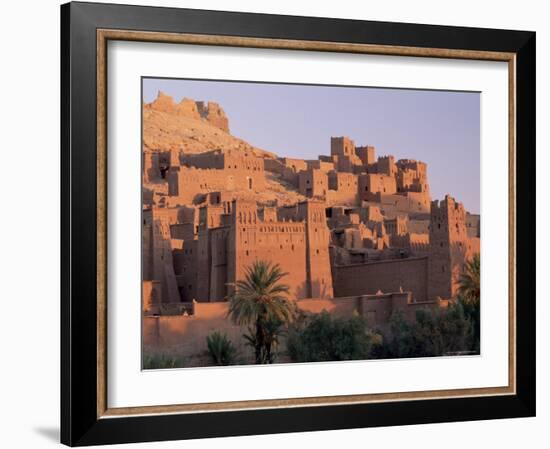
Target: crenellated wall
296	238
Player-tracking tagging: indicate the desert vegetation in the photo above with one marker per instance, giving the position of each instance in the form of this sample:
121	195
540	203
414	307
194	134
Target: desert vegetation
162	361
260	303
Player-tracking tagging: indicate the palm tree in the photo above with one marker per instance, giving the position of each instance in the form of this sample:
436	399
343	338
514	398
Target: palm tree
270	336
260	302
469	280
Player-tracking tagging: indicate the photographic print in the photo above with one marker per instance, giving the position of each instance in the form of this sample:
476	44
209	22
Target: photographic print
292	223
307	210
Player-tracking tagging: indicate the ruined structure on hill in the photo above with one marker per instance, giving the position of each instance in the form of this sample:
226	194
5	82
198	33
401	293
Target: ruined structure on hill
348	226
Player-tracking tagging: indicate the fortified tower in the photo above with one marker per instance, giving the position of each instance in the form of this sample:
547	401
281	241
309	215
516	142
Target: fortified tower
319	276
242	239
367	154
386	165
342	146
213	248
449	247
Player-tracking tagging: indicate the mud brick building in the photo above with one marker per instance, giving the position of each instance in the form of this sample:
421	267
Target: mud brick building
354	232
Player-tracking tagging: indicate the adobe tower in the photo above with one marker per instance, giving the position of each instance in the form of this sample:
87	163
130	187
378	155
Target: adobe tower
319	275
449	247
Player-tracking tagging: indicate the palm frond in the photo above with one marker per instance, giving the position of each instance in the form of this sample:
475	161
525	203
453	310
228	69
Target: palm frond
259	301
470	280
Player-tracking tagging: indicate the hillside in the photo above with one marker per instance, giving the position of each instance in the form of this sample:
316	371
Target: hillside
194	127
168	125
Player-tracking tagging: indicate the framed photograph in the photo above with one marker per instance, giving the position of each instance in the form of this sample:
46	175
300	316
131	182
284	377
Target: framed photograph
283	224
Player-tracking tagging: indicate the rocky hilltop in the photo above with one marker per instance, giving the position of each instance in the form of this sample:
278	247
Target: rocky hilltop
189	127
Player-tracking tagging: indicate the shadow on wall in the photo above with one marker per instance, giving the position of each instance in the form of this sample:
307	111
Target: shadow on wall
49	433
318	290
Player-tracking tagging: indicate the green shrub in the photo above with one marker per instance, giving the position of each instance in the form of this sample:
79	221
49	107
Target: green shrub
400	342
472	312
324	338
457	330
221	350
162	361
435	333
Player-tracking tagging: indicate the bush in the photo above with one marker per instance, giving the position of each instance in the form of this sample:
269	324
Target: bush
323	338
457	330
472	312
221	350
400	342
162	361
435	333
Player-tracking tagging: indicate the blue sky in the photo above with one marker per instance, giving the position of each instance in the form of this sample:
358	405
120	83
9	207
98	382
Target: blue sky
441	128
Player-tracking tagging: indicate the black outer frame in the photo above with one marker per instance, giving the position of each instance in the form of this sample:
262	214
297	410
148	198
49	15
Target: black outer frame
79	422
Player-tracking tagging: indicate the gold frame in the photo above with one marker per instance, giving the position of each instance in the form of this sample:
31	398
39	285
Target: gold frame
104	35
